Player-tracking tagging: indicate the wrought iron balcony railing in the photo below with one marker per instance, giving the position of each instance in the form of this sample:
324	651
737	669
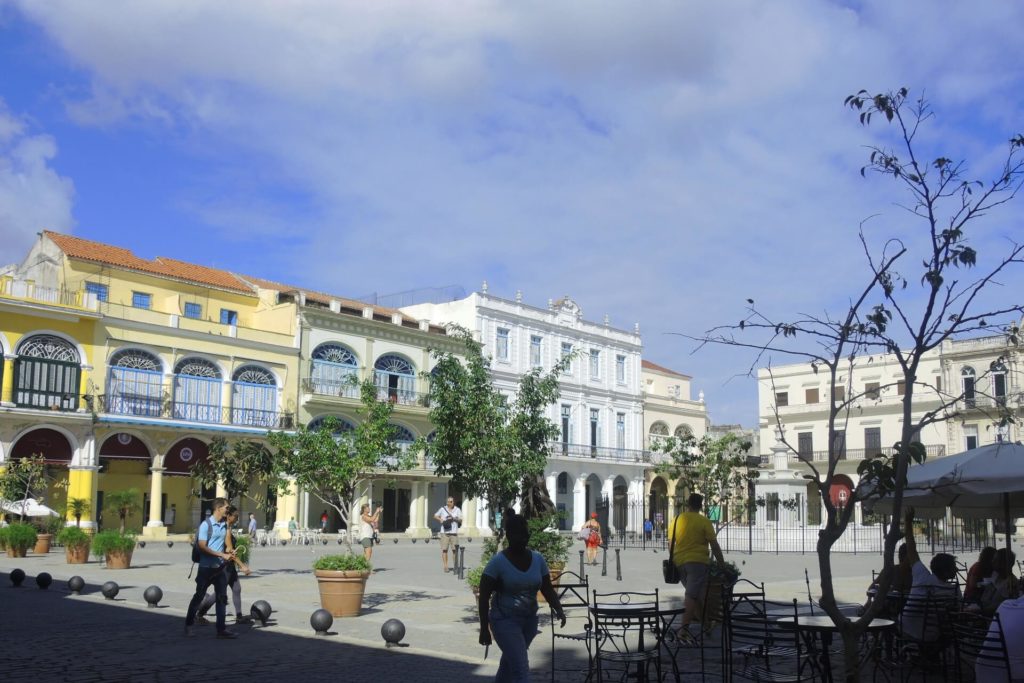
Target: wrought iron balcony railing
580	450
169	409
856	454
340	388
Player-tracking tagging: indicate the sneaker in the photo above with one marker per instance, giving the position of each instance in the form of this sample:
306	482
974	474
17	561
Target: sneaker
685	637
202	621
190	632
227	635
243	619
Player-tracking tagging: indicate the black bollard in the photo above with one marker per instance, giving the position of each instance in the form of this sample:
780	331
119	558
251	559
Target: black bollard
604	562
581	563
462	563
618	566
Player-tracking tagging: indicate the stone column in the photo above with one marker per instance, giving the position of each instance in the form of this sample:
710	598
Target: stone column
155	526
82	484
415	523
287	507
579	501
7	387
469	525
220	490
608	493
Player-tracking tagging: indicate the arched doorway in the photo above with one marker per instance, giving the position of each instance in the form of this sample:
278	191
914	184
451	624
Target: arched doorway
657	505
396	379
186	509
620	504
125	463
57	452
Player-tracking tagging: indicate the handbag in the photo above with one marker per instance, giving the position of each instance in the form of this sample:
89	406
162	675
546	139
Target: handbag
668	568
584	534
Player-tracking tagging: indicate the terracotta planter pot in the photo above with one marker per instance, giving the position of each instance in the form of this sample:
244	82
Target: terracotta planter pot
556	574
341	593
119	560
78	554
16	552
42	544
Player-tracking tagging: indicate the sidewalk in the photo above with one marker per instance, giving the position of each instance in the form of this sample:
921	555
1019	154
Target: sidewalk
50	635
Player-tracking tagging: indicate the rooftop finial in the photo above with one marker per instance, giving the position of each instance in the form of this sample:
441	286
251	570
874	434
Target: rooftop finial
483	287
607	320
551	304
636	328
519	296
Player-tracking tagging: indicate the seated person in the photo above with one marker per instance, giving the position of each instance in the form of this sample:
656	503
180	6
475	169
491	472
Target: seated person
1011	618
926	585
980	570
901	582
1002	584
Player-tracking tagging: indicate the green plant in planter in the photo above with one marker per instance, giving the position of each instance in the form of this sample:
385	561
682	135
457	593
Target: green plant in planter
124	504
77	507
73	537
50	525
551	544
3	538
107	542
473	577
342	563
728	572
20	536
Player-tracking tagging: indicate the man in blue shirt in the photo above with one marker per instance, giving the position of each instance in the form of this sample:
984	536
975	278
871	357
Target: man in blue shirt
211	537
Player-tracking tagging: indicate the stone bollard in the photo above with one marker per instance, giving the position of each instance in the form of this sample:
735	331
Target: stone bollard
618	566
604	562
581	563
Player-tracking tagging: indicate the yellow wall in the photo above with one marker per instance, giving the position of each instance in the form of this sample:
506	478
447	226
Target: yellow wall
17	325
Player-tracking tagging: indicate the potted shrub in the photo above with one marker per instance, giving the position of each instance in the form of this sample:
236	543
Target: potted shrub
473	579
76	544
47	530
554	546
18	538
115	547
342	582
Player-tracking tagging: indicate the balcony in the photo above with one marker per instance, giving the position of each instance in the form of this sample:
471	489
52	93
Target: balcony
28	292
344	389
856	454
150	316
979	402
586	451
165	408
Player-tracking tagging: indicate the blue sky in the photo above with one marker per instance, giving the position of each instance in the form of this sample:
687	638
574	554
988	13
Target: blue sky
659	163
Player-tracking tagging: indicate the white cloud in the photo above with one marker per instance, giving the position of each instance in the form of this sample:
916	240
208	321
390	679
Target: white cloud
660	162
33	196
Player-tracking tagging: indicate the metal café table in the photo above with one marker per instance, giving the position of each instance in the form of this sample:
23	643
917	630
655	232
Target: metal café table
823	627
633	615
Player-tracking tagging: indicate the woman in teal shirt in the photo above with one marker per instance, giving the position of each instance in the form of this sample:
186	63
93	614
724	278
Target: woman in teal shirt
508	600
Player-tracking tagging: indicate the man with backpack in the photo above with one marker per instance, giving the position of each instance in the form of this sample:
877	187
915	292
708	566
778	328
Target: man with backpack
213	552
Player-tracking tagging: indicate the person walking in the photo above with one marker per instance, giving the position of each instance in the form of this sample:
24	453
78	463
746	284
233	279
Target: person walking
693	535
450	518
508	600
323	522
591	530
215	552
366	522
252	525
232	569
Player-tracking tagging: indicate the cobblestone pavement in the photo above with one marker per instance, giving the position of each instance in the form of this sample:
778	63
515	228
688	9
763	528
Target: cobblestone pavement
53	636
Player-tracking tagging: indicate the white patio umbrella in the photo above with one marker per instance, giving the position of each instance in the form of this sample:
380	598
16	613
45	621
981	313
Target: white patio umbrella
29	507
985	483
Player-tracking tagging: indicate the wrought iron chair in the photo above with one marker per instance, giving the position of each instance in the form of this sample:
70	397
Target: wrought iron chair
925	637
574	594
628	632
980	645
767	650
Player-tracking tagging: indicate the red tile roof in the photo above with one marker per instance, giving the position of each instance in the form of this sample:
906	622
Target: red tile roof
648	365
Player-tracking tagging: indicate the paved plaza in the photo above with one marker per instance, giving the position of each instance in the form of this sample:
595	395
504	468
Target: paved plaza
53	636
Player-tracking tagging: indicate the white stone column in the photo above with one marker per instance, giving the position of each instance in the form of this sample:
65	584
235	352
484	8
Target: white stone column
469	526
551	482
608	493
155	526
579	500
634	501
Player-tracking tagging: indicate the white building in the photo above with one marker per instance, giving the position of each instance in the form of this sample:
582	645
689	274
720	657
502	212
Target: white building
599	455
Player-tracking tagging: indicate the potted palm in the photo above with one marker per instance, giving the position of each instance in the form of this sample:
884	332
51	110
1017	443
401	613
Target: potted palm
18	538
124	503
76	544
342	582
115	547
77	507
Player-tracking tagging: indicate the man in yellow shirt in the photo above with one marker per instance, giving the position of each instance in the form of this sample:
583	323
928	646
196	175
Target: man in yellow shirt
693	534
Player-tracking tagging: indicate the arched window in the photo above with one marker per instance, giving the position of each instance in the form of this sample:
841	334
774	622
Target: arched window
683	432
253	397
659	430
335	371
999	383
967	376
135	384
342	427
396	380
47	373
402	435
197	391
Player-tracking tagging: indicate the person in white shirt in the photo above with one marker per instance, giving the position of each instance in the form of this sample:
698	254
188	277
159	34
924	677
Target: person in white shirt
252	524
1011	618
925	585
450	518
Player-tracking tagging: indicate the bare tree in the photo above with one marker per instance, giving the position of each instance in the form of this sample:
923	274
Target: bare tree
922	287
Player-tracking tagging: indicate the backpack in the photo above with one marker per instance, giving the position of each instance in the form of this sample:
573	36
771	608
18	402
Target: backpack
196	552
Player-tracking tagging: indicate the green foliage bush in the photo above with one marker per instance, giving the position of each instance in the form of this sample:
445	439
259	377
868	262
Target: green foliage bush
553	545
342	563
112	541
20	536
243	548
474	575
73	537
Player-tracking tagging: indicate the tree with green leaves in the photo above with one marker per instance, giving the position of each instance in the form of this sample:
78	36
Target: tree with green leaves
922	287
336	466
23	478
488	445
245	468
124	503
716	468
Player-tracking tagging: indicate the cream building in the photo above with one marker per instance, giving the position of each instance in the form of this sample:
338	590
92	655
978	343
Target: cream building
982	376
599	457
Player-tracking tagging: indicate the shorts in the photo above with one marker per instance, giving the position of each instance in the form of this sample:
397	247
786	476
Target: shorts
366	541
694	577
449	541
